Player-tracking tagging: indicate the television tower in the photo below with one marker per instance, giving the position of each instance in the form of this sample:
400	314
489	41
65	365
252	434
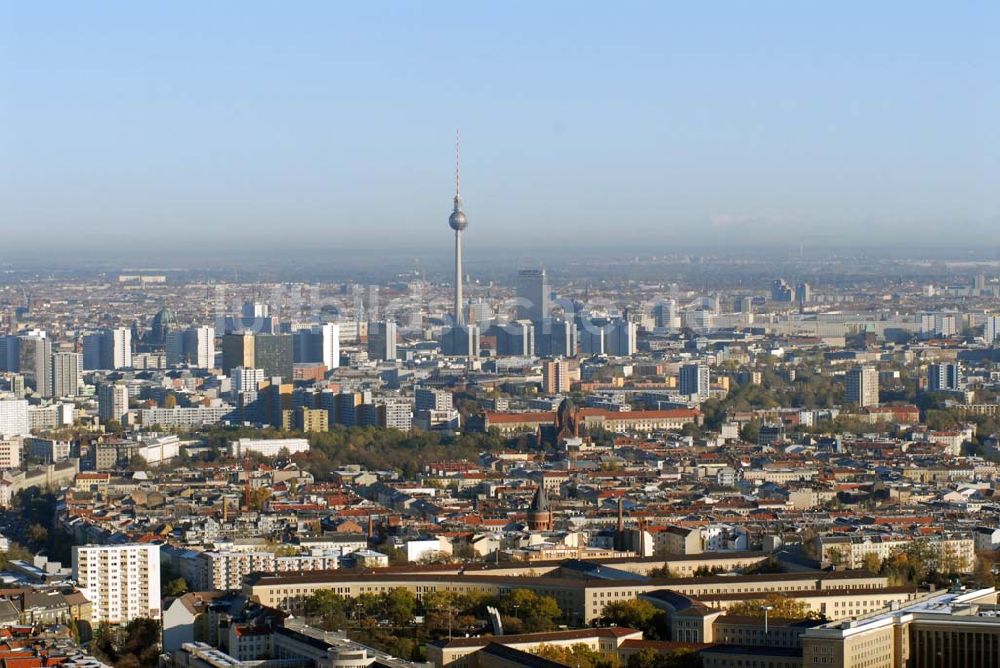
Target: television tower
458	222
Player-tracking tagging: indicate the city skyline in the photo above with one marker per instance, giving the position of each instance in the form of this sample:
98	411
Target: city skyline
656	125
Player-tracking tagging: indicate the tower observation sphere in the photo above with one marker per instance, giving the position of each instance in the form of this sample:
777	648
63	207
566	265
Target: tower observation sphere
457	219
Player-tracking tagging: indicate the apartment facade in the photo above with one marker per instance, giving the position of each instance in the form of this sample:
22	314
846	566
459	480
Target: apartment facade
122	582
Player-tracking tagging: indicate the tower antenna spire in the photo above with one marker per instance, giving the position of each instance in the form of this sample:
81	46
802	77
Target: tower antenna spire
458	165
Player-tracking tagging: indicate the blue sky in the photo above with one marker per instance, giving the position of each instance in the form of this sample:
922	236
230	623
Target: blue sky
660	124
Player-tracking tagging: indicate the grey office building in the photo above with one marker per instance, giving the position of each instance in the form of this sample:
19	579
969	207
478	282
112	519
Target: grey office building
533	295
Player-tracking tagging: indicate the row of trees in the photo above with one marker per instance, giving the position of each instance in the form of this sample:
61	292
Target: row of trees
918	562
388	620
372	447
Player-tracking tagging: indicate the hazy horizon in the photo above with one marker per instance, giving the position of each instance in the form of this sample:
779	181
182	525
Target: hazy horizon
249	127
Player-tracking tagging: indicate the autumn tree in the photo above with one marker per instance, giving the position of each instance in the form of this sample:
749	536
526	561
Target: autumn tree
638	614
778	606
648	657
330	611
175	587
579	656
527	611
871	562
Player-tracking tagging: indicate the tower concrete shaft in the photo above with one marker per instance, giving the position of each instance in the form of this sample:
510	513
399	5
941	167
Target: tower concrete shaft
459	316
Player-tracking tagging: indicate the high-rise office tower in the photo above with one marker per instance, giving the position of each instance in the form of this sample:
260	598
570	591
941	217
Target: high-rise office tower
781	291
694	380
112	402
382	340
35	364
516	339
744	304
429	399
274	354
480	313
238	350
255	309
348	406
991	332
121	582
665	315
458	222
803	294
621	338
255	318
199	346
555	377
67	374
194	346
8	352
318	344
277	403
325	344
862	386
557	338
110	348
461	341
979	284
533	296
945	377
593	336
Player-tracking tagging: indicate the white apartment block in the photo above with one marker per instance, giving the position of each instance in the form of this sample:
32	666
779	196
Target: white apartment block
850	551
122	582
226	570
245	379
13	417
222	571
184	416
268	447
991	332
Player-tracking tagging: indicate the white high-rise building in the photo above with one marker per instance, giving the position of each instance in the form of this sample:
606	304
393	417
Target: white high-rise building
14	417
695	380
35	363
255	309
862	386
112	403
330	346
398	414
122	582
319	343
533	299
203	347
194	346
382	340
992	330
431	399
621	338
245	379
938	324
108	349
67	374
